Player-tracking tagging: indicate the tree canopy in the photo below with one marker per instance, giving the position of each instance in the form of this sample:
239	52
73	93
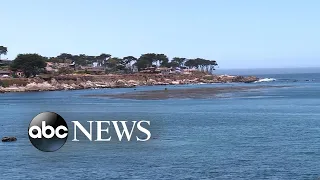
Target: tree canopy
201	64
3	51
144	61
115	64
127	63
152	59
30	64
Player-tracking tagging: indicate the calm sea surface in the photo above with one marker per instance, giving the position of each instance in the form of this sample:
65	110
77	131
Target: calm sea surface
271	133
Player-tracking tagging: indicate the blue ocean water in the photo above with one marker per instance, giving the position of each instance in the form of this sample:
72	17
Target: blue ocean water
271	133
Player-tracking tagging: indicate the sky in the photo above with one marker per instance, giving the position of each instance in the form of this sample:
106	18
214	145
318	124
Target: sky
237	34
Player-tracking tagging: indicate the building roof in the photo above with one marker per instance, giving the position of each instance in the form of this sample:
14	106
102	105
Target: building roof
4	72
5	62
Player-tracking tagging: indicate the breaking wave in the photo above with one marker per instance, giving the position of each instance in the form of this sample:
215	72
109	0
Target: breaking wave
266	80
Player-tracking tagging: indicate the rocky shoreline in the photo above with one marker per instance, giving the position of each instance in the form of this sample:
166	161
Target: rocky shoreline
75	82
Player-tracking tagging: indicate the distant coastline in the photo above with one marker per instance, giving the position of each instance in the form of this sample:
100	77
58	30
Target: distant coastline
267	71
33	72
75	82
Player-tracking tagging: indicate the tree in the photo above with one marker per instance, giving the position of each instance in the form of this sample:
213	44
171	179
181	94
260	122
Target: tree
179	61
162	60
80	59
30	64
145	60
190	63
115	64
142	63
172	64
128	60
149	59
64	56
102	58
3	50
202	64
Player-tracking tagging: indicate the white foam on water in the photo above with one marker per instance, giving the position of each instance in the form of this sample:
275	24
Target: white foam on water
266	80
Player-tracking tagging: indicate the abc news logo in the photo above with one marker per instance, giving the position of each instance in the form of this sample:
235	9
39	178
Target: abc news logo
48	131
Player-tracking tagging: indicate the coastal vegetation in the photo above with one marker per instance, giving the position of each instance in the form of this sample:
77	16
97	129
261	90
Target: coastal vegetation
65	63
129	63
3	51
33	72
144	61
29	64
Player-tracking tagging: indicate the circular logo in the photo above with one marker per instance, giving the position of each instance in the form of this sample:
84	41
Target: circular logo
48	131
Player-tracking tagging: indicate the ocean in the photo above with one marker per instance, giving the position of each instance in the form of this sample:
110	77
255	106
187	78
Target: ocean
270	133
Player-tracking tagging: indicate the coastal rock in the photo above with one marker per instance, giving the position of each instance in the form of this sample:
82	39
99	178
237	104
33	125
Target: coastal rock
85	85
249	79
133	83
121	83
89	84
71	82
151	82
13	88
203	81
226	78
175	82
167	81
45	86
54	82
36	80
9	139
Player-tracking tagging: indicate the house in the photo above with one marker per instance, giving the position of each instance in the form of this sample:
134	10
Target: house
4	73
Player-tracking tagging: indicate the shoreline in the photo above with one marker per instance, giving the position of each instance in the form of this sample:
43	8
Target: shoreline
79	82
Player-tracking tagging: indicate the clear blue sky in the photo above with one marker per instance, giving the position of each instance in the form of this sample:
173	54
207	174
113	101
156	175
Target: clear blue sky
236	33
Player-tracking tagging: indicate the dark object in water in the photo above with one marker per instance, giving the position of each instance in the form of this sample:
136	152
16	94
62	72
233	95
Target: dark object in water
166	89
9	139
